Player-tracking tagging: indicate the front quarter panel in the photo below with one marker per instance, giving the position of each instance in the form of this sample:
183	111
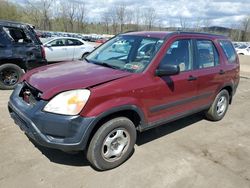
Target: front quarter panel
116	95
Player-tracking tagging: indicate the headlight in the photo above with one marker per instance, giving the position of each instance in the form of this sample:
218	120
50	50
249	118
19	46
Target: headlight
69	102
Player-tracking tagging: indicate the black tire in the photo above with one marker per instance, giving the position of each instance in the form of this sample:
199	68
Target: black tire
217	112
10	74
108	134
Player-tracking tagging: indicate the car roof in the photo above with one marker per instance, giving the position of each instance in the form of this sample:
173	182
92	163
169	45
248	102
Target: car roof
14	24
165	34
55	38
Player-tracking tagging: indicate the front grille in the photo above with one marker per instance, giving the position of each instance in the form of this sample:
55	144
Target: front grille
29	94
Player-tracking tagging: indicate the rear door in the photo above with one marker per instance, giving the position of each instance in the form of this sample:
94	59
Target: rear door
75	48
209	70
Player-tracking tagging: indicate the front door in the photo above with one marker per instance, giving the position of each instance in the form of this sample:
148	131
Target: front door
57	50
175	95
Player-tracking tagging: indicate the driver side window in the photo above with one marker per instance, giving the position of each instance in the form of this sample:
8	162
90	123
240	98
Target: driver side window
179	53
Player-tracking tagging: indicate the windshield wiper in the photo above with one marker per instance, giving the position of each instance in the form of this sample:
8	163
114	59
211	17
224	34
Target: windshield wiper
108	65
86	59
102	64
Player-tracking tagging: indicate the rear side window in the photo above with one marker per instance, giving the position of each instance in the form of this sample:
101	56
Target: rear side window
73	42
207	54
17	35
228	50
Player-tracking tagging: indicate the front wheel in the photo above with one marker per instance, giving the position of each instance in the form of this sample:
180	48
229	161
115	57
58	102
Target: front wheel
112	144
219	107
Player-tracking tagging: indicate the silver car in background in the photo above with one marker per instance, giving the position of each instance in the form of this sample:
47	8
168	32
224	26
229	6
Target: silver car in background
67	49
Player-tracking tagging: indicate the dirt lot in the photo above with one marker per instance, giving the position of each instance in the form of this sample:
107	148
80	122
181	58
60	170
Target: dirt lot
191	152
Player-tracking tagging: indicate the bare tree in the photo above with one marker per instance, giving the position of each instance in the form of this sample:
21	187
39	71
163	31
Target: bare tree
121	13
42	8
64	16
8	10
113	19
171	24
183	23
32	15
129	19
71	14
160	24
106	17
245	28
137	17
149	16
235	32
80	16
206	24
197	24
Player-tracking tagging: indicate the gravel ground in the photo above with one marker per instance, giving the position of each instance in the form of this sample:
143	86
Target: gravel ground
191	152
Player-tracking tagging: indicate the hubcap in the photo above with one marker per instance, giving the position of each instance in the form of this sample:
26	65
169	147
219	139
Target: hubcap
9	77
115	144
221	105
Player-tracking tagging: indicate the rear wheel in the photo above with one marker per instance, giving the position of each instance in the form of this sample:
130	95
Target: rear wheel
10	74
219	107
112	144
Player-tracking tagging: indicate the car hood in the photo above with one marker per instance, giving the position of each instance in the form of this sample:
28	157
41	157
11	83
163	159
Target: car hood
56	78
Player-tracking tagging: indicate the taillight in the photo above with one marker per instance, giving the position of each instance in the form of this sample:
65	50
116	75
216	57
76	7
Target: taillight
43	52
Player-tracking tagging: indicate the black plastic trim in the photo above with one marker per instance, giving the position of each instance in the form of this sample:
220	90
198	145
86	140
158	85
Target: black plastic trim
179	102
173	118
120	109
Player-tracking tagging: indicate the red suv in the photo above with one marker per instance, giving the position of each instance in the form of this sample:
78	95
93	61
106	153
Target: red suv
133	82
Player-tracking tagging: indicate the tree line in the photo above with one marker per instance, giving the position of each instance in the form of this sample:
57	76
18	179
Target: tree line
71	16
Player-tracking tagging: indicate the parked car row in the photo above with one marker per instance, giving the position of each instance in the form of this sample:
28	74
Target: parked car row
85	37
242	48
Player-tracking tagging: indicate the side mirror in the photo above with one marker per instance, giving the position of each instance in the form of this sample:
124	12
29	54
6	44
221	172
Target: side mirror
167	70
48	45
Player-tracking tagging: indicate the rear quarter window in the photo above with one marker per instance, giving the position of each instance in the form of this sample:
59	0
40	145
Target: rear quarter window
3	38
228	50
17	35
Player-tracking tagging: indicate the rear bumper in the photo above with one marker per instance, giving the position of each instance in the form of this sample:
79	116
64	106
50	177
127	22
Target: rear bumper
67	133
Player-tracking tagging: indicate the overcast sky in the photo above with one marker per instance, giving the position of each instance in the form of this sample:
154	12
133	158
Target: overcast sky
220	12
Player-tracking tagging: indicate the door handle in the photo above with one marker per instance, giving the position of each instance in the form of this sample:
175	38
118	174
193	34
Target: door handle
222	72
192	78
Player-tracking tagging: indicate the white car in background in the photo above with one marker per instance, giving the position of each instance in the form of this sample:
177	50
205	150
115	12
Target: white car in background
243	50
66	49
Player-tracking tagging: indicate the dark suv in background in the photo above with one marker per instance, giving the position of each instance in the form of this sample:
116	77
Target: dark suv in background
134	82
20	51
